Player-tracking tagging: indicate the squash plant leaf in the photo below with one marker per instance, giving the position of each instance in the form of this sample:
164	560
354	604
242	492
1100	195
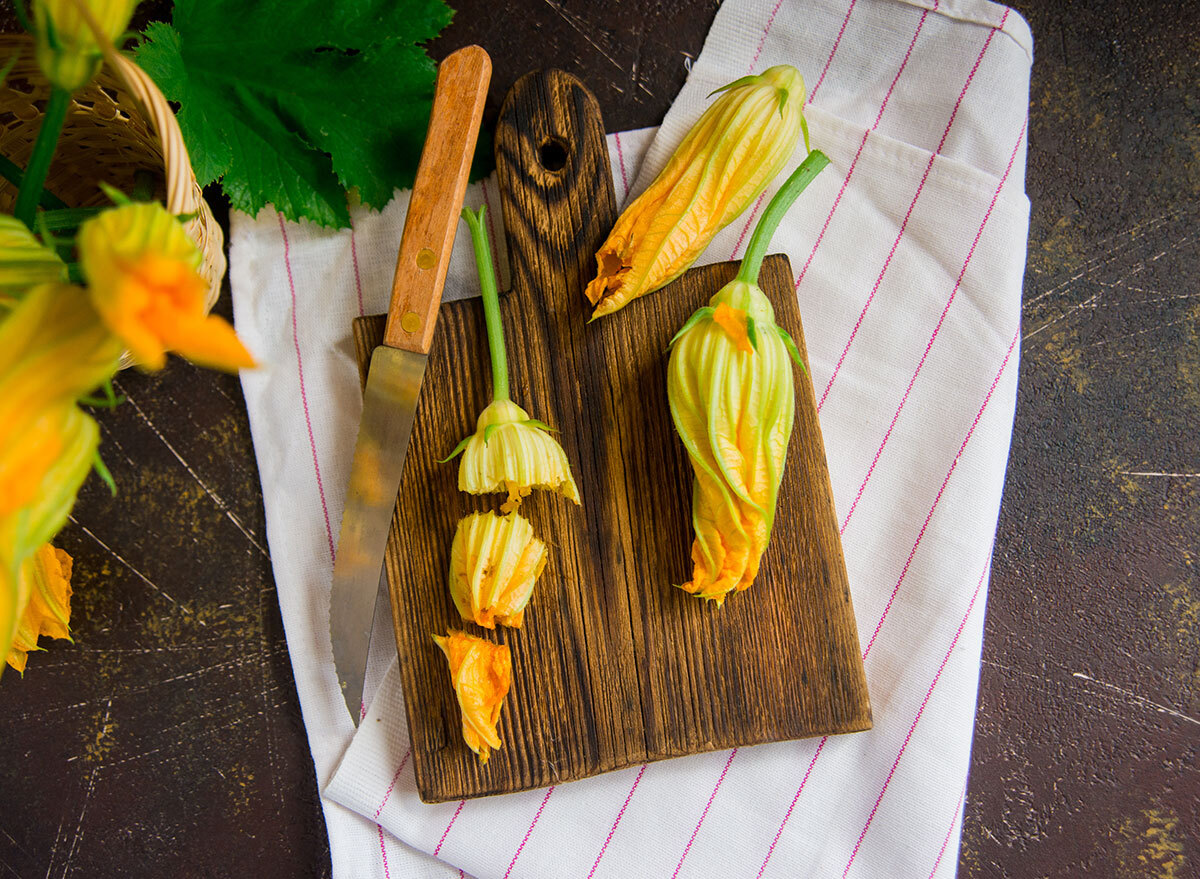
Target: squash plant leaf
293	102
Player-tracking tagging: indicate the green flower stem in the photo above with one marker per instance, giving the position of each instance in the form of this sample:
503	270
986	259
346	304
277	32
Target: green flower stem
12	172
43	152
760	240
491	302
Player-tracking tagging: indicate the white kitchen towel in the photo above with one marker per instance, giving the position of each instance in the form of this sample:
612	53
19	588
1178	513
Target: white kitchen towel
909	253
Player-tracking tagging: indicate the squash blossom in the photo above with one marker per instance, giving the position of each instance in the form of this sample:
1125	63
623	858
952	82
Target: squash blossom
143	275
45	581
67	50
481	673
24	529
53	350
24	261
732	398
494	563
722	165
509	451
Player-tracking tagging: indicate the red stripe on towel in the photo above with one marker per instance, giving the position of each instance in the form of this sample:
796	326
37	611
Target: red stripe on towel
312	444
978	416
938	498
704	814
920	711
949	830
620	815
532	824
936	330
908	214
445	832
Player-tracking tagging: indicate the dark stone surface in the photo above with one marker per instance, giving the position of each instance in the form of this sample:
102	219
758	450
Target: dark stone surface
167	740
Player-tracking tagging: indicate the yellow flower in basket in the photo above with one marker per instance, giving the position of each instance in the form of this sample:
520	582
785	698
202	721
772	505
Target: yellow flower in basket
67	50
143	274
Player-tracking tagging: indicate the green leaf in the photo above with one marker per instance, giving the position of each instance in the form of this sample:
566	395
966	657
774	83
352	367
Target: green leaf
458	450
790	344
301	99
488	431
742	81
541	425
752	332
697	315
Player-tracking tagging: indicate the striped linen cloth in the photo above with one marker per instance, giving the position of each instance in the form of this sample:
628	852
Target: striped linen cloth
908	252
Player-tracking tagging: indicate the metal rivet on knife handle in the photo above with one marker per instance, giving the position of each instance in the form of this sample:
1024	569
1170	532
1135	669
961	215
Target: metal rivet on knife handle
437	198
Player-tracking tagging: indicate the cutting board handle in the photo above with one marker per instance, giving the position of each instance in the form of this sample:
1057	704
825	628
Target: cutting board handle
556	188
437	198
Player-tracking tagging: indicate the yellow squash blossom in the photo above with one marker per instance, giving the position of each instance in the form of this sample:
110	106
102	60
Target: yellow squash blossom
509	451
45	577
481	673
53	350
24	261
143	274
67	50
494	563
24	528
732	397
722	165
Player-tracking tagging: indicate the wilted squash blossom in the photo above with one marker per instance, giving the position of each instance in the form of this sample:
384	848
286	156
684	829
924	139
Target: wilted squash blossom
67	50
45	583
509	451
722	165
481	673
143	274
732	398
494	563
24	261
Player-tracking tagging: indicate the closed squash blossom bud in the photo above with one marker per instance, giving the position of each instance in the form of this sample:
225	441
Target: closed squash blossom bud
732	398
67	49
733	403
494	563
723	164
481	673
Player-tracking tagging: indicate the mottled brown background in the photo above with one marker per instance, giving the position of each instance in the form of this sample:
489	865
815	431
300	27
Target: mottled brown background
167	740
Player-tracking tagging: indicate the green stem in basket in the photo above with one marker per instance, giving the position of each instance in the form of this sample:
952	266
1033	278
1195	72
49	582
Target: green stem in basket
491	302
12	172
43	152
760	239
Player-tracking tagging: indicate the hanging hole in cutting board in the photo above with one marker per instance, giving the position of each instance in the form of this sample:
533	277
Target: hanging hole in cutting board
553	154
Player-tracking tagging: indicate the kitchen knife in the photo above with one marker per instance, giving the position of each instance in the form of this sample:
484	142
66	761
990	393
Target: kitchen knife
398	365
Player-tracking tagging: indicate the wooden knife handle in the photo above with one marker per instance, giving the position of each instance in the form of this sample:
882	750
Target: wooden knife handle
437	198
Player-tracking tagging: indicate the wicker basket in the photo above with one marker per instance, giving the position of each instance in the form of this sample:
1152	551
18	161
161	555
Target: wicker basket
118	125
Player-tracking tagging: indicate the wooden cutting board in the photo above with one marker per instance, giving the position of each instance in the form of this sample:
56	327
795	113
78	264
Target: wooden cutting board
614	666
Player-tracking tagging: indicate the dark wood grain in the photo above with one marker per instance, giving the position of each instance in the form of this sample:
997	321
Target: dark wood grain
614	666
